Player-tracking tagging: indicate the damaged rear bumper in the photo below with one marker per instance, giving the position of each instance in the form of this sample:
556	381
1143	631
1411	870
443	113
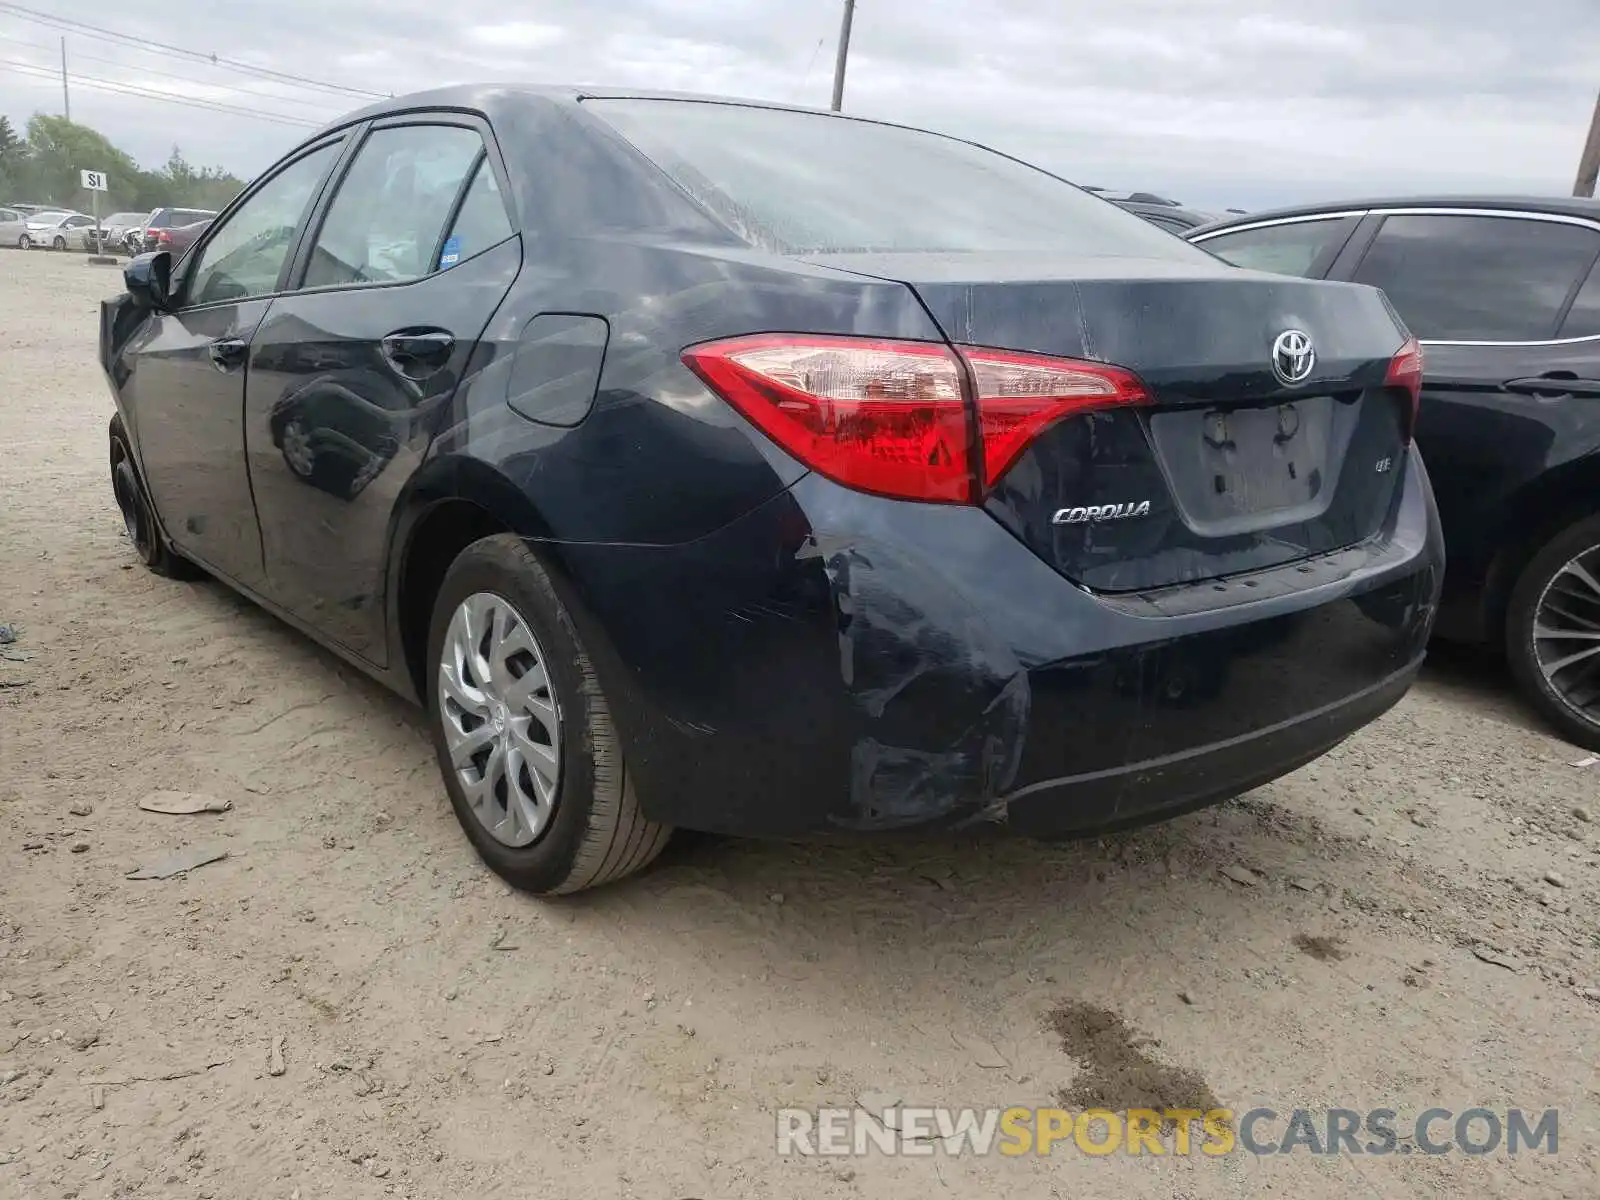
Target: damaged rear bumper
835	663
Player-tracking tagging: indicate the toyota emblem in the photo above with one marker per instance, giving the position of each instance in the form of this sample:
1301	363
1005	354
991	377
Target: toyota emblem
1293	357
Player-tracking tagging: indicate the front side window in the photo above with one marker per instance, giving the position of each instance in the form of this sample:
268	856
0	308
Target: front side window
1289	249
386	219
246	254
798	183
1472	278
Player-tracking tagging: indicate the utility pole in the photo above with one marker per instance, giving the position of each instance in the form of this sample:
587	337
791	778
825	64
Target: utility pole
66	96
844	52
1589	164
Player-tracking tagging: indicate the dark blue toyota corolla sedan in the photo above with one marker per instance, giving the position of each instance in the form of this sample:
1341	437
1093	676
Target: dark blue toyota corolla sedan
749	469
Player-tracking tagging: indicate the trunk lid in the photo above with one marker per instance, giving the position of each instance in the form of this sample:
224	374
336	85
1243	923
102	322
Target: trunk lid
1229	469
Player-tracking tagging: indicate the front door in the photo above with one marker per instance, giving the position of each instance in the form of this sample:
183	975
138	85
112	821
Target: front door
186	385
350	369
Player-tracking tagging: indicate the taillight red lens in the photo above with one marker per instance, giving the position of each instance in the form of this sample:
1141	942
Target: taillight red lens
1405	371
889	417
884	417
1019	395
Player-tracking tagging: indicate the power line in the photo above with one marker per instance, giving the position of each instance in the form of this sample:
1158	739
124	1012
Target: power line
101	33
79	56
117	87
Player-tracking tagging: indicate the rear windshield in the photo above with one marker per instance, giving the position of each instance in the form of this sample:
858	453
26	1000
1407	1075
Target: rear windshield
798	182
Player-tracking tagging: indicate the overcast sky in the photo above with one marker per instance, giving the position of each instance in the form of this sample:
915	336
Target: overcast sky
1215	102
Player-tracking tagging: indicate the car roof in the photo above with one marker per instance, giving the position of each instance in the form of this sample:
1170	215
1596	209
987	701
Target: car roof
1563	206
495	97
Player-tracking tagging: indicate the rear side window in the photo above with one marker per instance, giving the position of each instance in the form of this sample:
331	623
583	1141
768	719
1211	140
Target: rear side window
387	216
797	182
1470	278
1292	248
482	221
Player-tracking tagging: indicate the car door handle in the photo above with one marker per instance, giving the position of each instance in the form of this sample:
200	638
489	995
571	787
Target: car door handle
227	353
1553	384
418	352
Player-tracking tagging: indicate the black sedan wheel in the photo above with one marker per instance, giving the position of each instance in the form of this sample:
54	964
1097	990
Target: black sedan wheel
524	736
1553	632
138	518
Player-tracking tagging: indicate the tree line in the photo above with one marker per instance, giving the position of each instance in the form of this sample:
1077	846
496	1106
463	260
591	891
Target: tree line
42	168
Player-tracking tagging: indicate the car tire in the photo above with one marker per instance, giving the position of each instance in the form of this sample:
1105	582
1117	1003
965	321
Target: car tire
138	515
1572	555
24	242
593	831
58	243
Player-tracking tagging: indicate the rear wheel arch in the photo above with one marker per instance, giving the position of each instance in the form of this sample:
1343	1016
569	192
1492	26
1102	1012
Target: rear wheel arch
1540	511
452	504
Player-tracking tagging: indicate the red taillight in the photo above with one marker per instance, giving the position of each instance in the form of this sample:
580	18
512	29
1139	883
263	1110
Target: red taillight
891	418
1405	371
162	236
1019	395
885	417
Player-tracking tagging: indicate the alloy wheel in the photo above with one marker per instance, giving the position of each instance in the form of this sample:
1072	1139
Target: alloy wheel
24	242
502	723
1566	634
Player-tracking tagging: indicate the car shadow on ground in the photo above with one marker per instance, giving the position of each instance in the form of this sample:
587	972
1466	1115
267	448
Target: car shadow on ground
1477	677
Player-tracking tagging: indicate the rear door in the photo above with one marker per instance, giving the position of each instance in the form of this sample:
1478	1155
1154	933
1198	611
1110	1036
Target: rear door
186	382
408	261
1513	357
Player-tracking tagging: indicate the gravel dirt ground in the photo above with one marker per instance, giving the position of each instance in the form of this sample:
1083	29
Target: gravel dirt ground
350	1006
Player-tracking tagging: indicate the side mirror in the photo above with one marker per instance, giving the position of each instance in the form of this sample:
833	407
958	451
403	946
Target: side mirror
148	279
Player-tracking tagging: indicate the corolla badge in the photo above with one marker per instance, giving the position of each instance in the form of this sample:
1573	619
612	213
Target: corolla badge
1100	512
1293	356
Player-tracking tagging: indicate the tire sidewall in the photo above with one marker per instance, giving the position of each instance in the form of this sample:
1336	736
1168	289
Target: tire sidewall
1521	613
150	552
502	565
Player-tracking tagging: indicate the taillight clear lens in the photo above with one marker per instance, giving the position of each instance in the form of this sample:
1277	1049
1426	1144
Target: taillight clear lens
1405	372
884	417
1019	395
890	418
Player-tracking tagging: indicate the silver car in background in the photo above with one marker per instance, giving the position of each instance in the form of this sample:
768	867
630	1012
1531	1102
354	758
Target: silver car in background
13	225
113	231
54	228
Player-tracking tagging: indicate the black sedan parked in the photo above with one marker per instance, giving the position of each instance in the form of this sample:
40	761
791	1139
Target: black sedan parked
774	472
1504	293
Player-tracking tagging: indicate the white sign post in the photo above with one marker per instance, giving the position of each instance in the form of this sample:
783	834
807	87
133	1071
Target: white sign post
95	182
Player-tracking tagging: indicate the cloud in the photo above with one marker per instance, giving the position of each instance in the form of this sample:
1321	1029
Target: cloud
1225	102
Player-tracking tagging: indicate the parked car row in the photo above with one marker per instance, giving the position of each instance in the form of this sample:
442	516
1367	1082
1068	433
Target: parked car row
26	226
